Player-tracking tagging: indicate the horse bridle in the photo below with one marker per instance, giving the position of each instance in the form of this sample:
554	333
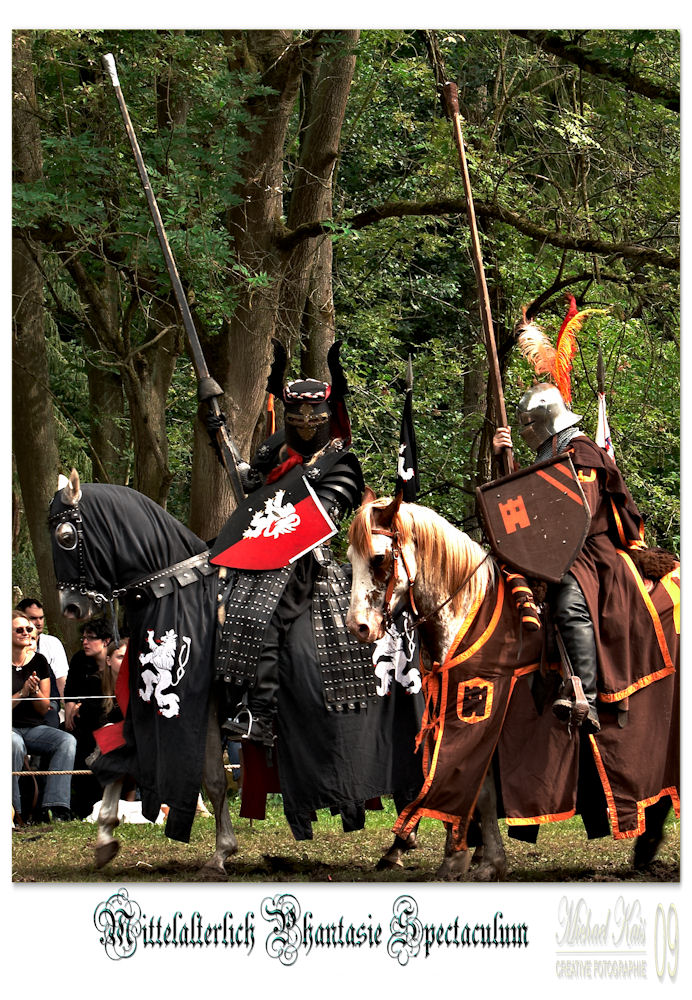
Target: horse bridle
182	571
73	515
397	553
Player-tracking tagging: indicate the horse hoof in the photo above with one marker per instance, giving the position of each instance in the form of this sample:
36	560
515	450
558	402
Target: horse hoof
387	864
453	869
646	849
488	872
212	873
105	853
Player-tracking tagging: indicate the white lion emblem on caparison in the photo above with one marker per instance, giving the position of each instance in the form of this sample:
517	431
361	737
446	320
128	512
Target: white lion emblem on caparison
160	661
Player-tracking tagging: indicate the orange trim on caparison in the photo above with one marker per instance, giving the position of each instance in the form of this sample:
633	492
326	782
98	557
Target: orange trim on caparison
627	542
637	686
530	668
411	810
537	820
642	804
658	627
671	584
453	661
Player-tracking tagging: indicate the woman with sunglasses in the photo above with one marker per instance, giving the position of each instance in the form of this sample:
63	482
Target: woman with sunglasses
30	734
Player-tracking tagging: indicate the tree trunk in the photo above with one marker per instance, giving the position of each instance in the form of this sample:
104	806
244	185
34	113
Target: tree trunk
306	309
33	422
109	436
239	357
298	297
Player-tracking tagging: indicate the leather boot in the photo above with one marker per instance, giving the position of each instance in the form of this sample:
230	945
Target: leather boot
573	622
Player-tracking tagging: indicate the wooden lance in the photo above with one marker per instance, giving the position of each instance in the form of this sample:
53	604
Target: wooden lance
212	390
451	97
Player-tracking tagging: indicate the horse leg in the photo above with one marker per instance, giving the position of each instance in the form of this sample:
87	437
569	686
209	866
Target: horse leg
393	858
493	861
106	845
214	778
648	843
455	864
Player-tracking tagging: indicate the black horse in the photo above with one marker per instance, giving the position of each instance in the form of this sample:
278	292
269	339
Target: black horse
110	542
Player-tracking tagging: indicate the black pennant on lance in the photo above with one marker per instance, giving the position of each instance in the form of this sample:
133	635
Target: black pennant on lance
407	480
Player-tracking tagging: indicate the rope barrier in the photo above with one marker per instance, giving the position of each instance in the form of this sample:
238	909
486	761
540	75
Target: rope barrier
43	774
72	697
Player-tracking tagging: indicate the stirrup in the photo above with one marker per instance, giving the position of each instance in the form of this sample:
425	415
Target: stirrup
237	730
258	729
571	705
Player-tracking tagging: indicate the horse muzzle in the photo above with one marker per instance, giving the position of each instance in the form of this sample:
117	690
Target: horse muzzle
365	628
76	604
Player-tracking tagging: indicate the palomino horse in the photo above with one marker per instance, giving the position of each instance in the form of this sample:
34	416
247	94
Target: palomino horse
111	542
479	695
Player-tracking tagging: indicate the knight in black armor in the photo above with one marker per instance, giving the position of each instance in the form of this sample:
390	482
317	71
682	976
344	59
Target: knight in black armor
258	608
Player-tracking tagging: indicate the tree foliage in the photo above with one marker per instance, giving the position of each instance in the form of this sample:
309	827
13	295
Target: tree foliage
309	186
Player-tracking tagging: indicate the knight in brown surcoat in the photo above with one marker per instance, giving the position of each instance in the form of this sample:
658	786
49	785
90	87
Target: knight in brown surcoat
593	606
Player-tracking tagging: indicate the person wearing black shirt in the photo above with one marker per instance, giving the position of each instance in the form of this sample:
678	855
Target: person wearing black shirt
30	735
84	706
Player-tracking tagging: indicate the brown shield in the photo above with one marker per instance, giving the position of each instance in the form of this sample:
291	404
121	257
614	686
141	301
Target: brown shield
537	519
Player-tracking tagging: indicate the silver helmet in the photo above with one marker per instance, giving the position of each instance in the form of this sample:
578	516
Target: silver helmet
542	413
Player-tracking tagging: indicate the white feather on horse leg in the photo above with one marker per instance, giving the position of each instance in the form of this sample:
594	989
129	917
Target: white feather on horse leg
106	845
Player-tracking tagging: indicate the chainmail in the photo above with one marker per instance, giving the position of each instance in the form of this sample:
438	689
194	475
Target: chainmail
562	439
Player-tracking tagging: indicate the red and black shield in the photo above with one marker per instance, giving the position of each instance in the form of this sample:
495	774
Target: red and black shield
537	519
274	526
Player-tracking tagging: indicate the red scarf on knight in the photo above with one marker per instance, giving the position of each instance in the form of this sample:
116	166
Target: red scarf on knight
293	459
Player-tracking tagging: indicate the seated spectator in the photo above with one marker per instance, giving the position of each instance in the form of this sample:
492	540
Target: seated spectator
115	654
111	710
53	650
84	706
30	735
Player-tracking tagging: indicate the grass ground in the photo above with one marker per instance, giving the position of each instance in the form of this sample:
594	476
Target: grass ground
268	853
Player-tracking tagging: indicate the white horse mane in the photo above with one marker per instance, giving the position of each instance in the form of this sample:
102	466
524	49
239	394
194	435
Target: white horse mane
447	557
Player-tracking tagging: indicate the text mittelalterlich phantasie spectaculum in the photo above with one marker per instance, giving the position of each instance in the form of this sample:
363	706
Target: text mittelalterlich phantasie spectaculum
289	933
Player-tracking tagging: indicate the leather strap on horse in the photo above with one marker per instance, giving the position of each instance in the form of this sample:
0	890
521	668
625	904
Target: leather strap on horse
397	553
161	583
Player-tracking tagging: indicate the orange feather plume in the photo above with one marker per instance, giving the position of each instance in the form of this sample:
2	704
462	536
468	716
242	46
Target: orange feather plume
536	347
556	362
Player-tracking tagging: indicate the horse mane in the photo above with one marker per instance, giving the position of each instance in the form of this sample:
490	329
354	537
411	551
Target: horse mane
446	556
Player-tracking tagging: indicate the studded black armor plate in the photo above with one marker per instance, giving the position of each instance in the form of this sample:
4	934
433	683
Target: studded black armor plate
346	665
250	600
